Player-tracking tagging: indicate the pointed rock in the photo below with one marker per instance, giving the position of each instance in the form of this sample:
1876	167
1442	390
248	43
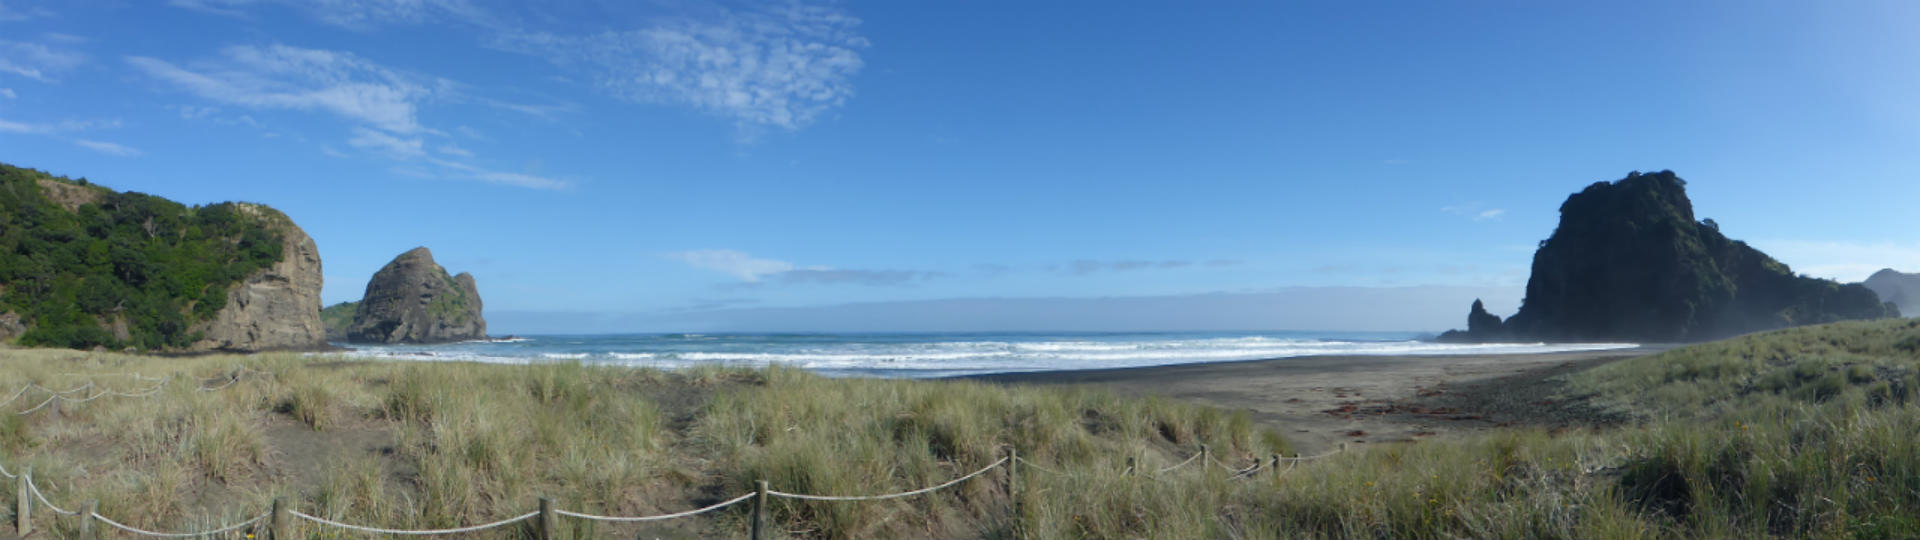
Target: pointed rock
413	300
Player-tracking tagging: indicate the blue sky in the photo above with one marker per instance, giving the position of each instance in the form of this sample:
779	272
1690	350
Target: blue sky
665	165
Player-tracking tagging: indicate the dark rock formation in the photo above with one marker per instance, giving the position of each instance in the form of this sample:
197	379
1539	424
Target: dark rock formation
1629	263
1479	322
1481	327
413	300
1902	290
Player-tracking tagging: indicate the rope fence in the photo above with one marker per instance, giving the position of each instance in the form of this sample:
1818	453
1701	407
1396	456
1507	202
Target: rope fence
278	520
143	532
661	517
160	384
377	530
928	489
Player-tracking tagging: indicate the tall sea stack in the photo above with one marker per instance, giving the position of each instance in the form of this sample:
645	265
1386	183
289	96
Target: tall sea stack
1630	263
413	300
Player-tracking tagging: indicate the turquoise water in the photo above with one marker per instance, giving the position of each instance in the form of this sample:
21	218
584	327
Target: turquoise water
941	354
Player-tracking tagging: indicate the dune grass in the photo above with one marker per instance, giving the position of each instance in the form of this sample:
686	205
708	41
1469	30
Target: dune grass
1809	432
423	445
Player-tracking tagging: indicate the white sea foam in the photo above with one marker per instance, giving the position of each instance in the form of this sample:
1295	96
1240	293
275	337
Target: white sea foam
937	355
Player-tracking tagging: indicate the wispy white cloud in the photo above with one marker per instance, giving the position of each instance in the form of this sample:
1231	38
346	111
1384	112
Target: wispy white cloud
1841	260
284	77
16	14
755	272
1086	267
1474	211
837	276
8	126
8	93
738	264
351	14
60	131
63	126
108	148
471	172
70	39
36	61
780	67
454	150
229	8
381	104
400	147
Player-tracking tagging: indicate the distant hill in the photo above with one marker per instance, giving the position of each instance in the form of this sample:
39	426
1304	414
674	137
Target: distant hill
1630	263
1900	289
85	266
337	318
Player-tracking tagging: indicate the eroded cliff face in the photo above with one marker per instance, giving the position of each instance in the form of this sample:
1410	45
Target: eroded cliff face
275	308
413	300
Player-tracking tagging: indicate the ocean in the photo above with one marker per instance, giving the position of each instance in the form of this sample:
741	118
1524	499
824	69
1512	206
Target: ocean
940	354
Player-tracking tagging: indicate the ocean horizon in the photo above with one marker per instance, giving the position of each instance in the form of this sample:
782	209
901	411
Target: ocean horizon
941	354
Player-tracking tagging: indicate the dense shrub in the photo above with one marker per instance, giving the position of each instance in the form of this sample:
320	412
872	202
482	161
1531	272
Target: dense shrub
156	265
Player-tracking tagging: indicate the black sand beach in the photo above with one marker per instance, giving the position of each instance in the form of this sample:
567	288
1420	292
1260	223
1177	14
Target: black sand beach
1320	402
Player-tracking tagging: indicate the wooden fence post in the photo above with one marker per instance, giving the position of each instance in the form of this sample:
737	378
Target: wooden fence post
547	523
760	510
278	523
1206	460
86	520
1013	475
23	503
1013	491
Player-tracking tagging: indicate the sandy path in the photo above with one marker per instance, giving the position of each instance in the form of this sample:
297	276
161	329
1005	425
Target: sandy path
1319	402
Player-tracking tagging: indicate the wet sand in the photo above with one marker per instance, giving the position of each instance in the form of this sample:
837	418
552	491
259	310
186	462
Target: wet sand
1319	402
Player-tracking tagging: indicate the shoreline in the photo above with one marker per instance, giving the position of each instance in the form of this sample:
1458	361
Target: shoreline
1320	402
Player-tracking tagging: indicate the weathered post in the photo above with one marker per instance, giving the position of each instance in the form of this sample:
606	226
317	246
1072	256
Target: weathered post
547	523
1013	491
1013	475
86	520
1273	462
760	511
1206	460
278	524
23	503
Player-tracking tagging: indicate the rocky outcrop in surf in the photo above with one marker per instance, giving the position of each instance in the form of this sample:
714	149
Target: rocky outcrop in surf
413	300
